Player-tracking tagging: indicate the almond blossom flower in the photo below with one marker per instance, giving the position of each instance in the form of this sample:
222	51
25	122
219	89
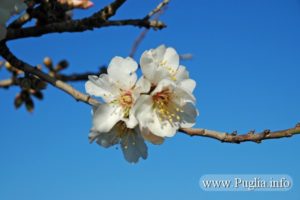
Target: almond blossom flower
119	89
132	143
7	9
84	4
168	108
170	105
161	63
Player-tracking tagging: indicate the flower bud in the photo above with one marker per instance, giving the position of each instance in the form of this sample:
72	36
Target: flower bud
61	65
18	101
48	63
29	104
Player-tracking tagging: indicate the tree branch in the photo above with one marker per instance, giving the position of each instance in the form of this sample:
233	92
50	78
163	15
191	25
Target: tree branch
5	83
221	136
97	20
248	137
21	65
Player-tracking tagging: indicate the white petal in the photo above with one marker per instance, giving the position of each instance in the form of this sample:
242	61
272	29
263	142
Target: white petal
142	86
158	53
151	64
154	139
172	58
122	71
162	128
188	85
148	119
188	116
142	105
104	139
181	73
101	87
143	110
131	122
133	146
183	96
148	66
164	84
160	74
106	116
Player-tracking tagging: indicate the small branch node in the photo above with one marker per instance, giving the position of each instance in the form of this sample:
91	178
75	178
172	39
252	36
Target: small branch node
266	132
234	133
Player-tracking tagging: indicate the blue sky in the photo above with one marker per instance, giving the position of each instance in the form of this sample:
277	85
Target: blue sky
246	64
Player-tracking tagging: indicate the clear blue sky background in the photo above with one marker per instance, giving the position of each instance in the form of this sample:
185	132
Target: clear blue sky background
246	64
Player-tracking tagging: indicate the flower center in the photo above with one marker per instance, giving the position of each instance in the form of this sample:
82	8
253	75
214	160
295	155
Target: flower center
165	108
126	101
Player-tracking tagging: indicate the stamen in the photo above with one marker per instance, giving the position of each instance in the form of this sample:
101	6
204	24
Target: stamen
126	101
172	72
165	108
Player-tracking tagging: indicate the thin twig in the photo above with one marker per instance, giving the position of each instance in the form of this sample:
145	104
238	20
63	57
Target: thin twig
238	138
157	9
137	42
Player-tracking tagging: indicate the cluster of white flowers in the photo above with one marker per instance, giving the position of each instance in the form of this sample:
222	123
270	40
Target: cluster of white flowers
150	108
7	9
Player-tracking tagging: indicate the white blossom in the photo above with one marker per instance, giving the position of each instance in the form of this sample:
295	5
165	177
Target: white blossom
7	9
119	89
131	141
168	108
152	108
162	63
